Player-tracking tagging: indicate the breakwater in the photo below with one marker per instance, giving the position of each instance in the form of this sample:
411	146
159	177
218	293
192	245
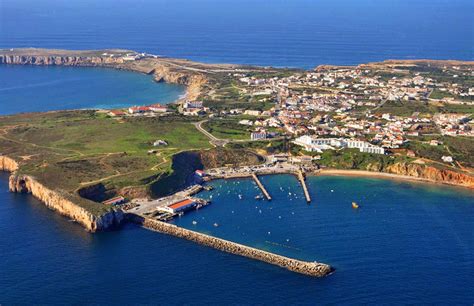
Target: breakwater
303	267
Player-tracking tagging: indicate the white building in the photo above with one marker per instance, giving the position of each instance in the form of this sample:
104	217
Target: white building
373	150
258	135
313	144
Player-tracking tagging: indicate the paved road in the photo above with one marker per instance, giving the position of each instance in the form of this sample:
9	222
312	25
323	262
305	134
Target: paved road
213	140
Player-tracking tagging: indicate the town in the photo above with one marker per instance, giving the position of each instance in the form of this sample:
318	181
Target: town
376	109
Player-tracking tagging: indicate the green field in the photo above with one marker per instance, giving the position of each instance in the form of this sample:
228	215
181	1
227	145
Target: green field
227	129
71	150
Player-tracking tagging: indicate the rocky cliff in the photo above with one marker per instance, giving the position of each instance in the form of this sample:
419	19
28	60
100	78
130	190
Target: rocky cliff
60	203
8	164
162	70
430	173
57	201
59	60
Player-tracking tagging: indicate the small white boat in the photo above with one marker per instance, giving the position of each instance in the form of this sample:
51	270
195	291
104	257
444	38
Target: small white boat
195	222
216	225
240	196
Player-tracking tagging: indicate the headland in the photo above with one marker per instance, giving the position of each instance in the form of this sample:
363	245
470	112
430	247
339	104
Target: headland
397	119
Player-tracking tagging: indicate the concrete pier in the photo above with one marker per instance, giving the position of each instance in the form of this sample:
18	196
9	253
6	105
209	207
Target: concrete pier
303	267
302	180
260	185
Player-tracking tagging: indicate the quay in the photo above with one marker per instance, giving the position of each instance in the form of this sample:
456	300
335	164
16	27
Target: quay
314	269
260	185
265	169
302	180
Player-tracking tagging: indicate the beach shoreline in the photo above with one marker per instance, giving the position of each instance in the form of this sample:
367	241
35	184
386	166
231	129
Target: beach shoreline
384	175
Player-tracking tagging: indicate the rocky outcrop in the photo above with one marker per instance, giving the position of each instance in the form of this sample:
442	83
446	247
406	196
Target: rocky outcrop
8	164
303	267
162	71
60	203
430	173
59	60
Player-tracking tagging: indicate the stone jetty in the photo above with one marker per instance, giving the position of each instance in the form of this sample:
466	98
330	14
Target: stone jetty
262	188
308	268
301	178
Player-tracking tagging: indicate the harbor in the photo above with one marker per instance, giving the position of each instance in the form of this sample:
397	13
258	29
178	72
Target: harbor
167	208
314	269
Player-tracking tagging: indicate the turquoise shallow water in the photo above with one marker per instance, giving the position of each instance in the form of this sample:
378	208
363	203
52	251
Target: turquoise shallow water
33	88
408	243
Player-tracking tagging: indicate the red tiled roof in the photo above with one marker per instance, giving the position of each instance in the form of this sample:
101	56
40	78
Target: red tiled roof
180	204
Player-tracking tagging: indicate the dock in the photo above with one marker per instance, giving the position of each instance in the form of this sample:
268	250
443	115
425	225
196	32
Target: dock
302	180
260	185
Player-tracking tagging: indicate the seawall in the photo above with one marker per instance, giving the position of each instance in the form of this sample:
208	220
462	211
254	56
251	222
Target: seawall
303	267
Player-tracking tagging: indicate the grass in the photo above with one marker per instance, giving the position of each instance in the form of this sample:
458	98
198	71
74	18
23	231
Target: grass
227	129
69	150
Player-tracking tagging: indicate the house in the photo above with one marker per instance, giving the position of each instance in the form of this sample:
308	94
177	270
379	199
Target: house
138	109
114	201
372	150
447	159
160	142
258	135
193	104
200	173
180	206
252	112
158	108
116	113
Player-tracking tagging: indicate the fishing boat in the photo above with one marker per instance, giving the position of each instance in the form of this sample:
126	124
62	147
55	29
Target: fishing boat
258	197
355	205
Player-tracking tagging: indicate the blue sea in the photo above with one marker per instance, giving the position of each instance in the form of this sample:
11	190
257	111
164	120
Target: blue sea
409	243
40	88
298	33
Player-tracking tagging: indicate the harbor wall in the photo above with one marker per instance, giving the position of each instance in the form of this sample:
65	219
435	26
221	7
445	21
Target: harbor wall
303	267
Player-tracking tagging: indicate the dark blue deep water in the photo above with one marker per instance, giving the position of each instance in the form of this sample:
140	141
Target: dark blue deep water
302	33
36	88
408	243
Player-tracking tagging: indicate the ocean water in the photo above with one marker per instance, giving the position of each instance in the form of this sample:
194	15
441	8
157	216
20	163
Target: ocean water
408	243
39	88
301	33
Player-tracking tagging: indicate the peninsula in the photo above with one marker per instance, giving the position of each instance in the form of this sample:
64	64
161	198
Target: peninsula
412	119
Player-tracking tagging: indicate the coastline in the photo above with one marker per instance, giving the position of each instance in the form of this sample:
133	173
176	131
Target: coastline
193	75
385	175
